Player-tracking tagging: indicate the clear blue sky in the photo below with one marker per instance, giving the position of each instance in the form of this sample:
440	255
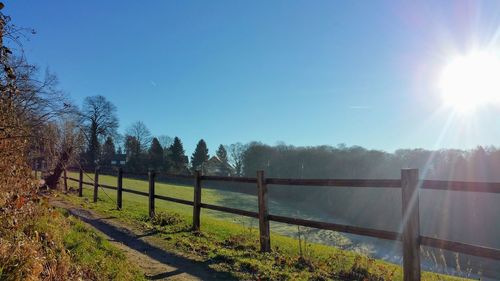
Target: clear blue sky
303	72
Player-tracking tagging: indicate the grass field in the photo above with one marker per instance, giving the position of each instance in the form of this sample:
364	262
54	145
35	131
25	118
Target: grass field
211	196
220	229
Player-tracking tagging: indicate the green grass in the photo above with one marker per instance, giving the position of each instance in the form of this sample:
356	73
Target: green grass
90	251
229	243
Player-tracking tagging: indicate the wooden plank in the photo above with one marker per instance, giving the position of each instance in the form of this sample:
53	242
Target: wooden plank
175	200
119	191
72	179
80	183
151	194
197	201
108	186
337	182
230	179
177	176
231	210
135	174
135	192
463	248
265	233
96	184
488	187
382	234
411	225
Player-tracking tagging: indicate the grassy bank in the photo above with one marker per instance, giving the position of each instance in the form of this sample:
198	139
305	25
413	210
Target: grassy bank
60	247
91	251
229	244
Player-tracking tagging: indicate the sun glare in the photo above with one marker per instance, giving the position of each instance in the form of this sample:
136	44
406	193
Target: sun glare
471	81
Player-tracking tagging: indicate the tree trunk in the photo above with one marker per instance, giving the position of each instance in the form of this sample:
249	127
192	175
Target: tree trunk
52	179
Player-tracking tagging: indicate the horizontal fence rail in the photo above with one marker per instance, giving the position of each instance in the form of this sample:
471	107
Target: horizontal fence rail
230	210
409	184
463	248
229	179
336	182
488	187
382	234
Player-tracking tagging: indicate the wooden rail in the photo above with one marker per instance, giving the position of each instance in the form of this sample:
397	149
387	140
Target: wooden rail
488	187
336	182
382	234
409	184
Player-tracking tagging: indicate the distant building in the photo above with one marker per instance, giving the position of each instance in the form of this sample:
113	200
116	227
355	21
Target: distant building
215	167
119	159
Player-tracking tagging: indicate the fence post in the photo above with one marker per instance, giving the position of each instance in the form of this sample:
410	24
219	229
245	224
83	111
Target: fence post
411	225
151	175
197	201
96	183
65	180
80	183
265	239
119	189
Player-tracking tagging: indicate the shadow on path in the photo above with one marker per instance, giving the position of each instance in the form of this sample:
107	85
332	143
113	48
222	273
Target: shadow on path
179	268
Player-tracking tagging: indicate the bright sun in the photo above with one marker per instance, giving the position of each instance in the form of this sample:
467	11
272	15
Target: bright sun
471	81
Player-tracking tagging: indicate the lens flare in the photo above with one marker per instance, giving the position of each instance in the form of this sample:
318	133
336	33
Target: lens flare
471	81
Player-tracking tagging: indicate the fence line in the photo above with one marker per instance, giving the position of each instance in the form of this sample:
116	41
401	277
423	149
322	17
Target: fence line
409	184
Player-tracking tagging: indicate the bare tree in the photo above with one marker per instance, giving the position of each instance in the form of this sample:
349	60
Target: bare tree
98	115
165	141
68	140
236	152
29	102
141	133
35	98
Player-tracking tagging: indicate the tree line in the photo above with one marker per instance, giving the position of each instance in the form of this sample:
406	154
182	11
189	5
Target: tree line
142	151
90	133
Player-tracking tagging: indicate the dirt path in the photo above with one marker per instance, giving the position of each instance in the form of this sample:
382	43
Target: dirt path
143	249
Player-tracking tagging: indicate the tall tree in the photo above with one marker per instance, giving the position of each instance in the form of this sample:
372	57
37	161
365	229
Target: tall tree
29	103
165	141
141	133
156	160
135	161
222	154
108	152
200	155
177	156
236	154
99	118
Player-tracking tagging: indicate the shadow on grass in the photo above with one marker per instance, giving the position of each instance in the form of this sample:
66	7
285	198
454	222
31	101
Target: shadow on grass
129	239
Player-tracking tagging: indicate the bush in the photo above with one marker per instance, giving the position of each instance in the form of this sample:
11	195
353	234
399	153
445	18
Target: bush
166	219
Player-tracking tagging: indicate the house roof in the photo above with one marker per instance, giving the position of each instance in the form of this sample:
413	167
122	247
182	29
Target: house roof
214	160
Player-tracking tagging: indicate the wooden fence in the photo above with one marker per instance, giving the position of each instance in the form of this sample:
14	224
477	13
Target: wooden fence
409	184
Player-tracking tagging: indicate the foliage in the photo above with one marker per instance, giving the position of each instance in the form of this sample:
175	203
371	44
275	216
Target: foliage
236	157
222	154
141	133
98	116
108	151
32	243
156	157
135	157
177	157
200	155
